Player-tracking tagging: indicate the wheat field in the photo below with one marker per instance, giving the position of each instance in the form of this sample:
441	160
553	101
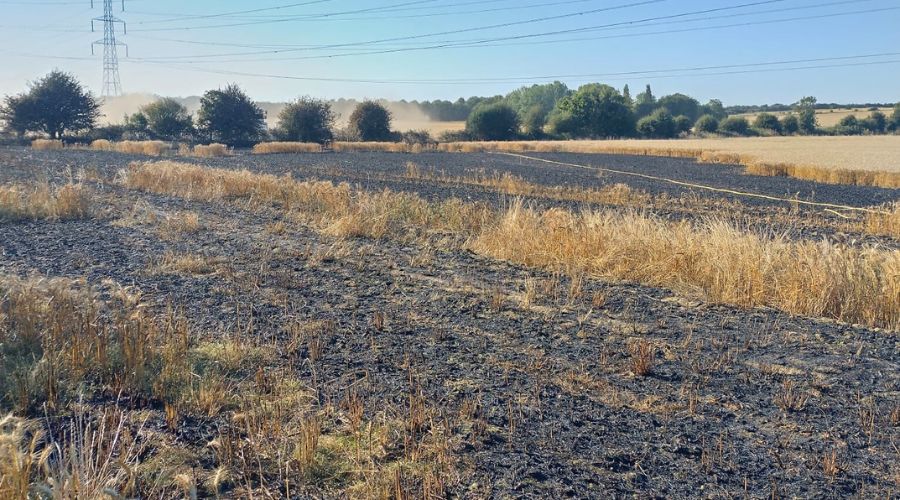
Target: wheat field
828	117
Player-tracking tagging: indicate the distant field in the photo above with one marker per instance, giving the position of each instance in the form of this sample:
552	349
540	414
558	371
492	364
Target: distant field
828	117
435	128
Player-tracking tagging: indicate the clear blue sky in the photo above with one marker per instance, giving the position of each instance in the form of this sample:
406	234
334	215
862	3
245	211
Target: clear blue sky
285	39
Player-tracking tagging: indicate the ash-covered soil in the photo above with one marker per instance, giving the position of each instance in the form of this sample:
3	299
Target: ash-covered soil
564	416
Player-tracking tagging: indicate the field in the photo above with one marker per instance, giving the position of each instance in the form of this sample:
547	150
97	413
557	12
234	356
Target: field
828	117
432	325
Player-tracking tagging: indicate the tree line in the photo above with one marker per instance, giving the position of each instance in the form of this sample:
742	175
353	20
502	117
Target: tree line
58	105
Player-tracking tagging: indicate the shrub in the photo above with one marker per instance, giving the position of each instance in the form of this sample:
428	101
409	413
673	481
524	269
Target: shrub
55	104
493	122
534	120
455	136
658	125
876	123
306	120
735	125
229	116
680	104
767	122
790	125
893	123
109	133
682	124
418	137
371	122
849	125
706	124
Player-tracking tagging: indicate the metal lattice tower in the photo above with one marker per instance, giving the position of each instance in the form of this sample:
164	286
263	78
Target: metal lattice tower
112	85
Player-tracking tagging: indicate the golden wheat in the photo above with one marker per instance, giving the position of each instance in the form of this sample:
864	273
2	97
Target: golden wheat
148	148
885	222
46	144
287	147
714	258
210	150
865	160
41	201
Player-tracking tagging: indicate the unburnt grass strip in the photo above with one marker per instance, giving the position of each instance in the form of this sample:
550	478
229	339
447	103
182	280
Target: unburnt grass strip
713	259
43	201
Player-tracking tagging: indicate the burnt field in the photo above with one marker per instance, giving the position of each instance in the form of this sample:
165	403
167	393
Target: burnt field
310	345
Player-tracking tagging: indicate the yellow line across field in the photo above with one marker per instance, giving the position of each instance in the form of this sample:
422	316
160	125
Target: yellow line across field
831	206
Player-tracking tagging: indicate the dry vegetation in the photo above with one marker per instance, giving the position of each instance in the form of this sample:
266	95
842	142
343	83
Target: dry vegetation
210	150
868	161
46	144
287	147
149	148
42	201
714	259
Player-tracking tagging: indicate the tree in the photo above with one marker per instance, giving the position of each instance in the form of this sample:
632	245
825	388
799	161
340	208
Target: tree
55	104
790	125
707	124
534	121
806	115
306	120
371	121
875	123
680	104
894	121
849	125
715	108
767	121
493	122
595	110
735	125
659	125
683	125
626	93
644	103
546	96
167	119
229	116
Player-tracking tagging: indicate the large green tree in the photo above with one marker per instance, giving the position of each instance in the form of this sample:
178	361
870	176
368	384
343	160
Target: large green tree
806	115
164	119
595	110
371	121
680	105
55	104
644	103
306	120
229	116
493	122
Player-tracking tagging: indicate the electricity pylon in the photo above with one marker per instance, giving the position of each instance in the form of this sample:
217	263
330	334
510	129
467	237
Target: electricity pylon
112	86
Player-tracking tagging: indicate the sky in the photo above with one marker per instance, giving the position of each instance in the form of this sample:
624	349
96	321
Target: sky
753	51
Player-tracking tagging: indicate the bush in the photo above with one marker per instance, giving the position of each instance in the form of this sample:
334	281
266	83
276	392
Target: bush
55	104
706	124
306	120
534	120
682	124
455	136
790	125
230	117
680	104
112	133
418	137
659	125
166	119
767	122
876	123
371	122
493	122
849	125
735	125
893	123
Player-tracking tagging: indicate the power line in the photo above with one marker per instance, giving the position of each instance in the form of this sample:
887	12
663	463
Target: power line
756	67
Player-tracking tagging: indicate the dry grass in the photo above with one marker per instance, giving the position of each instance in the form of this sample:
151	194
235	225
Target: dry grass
287	147
507	183
864	160
70	201
149	148
46	144
886	223
714	259
210	150
332	207
381	147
